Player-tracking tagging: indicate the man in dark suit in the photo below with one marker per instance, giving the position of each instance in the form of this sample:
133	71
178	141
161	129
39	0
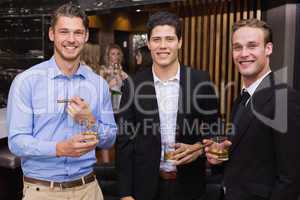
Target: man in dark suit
163	107
263	158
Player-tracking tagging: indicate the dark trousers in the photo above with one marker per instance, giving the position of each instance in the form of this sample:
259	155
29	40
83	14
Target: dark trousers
239	195
167	191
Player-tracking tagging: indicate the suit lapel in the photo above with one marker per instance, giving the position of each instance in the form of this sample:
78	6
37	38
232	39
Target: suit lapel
148	101
181	102
259	99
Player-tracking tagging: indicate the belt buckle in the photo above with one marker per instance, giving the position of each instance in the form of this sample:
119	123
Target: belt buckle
56	184
224	189
51	185
82	180
168	175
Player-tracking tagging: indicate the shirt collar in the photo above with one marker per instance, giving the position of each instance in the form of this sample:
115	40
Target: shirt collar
174	78
251	89
57	73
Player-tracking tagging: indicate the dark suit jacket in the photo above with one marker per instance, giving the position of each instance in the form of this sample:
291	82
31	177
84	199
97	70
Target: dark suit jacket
138	153
264	156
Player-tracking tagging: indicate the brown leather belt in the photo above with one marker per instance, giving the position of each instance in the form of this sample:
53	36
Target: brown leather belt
168	175
69	184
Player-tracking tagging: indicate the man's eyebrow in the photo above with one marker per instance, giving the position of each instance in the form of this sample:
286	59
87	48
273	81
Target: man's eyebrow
62	29
166	36
252	42
235	44
71	29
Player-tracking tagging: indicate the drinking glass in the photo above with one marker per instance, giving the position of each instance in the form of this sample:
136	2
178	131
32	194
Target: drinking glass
90	129
218	149
169	150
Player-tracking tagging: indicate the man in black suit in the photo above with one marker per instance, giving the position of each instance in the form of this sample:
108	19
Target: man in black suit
164	107
264	156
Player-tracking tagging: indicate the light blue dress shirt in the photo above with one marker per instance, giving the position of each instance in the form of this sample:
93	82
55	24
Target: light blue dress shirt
36	122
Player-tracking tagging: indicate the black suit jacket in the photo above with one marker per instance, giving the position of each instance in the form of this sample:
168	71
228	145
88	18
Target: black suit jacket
264	156
139	145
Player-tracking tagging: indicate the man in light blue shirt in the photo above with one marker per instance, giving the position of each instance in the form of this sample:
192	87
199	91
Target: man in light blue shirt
50	105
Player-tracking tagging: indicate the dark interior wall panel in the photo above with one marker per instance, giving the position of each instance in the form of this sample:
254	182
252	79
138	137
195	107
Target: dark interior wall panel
297	51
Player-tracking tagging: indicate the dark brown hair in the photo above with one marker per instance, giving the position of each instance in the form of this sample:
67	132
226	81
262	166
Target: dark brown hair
164	18
70	10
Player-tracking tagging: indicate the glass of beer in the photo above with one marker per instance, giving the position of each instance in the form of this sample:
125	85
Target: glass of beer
218	149
90	129
169	150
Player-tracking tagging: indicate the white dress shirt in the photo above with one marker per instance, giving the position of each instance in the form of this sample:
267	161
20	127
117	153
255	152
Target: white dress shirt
251	88
167	94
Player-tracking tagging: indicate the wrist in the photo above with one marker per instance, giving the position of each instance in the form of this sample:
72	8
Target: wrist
58	150
198	145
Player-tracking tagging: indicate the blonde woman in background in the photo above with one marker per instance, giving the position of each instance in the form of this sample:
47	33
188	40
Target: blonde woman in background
112	69
91	57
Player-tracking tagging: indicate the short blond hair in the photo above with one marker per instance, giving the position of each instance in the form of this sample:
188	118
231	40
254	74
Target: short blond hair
255	23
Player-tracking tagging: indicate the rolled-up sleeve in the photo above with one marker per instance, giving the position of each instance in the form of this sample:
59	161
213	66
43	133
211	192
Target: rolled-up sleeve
105	119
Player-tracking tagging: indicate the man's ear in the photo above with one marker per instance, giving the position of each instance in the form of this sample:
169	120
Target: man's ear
51	33
87	36
180	43
148	44
269	48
